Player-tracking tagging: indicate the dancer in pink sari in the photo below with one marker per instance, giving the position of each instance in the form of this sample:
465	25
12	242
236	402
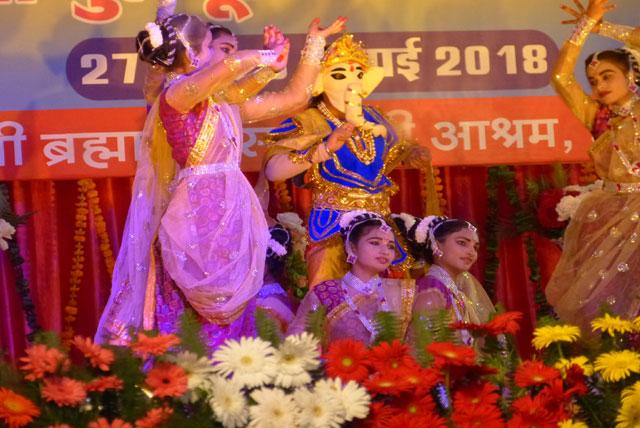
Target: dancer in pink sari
196	235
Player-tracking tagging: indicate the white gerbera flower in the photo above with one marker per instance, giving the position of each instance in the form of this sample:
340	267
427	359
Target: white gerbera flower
353	397
229	403
273	409
319	410
294	358
250	361
6	232
198	369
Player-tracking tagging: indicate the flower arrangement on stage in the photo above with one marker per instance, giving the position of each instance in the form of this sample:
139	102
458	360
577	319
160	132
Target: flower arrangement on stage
166	380
436	380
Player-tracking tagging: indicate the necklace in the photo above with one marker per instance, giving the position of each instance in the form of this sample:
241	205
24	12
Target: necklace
458	298
362	145
375	284
628	110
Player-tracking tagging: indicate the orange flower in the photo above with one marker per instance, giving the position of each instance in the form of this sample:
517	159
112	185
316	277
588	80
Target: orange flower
103	423
59	426
448	354
158	345
167	380
532	373
63	391
16	410
101	384
41	360
391	356
154	417
98	356
348	359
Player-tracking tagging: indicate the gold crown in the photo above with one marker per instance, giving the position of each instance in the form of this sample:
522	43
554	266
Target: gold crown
344	50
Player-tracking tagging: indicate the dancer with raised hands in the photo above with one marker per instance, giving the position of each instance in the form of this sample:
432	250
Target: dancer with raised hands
196	236
600	263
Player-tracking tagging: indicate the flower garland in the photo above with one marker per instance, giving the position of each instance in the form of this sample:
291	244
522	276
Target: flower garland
16	260
88	202
432	191
282	196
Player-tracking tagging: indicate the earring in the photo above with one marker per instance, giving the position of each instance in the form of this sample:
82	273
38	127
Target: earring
351	259
438	253
195	61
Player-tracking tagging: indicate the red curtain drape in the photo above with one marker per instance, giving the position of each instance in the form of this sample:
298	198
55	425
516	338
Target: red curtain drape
46	243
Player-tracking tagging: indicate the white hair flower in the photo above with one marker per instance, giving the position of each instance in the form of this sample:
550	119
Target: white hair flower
277	248
6	232
155	34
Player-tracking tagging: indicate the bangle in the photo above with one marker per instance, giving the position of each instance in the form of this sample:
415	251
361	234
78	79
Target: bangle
583	28
299	158
313	50
267	57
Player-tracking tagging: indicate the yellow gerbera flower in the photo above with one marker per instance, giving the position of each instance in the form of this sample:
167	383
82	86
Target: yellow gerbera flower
611	325
583	362
632	393
617	365
629	413
571	424
636	323
545	336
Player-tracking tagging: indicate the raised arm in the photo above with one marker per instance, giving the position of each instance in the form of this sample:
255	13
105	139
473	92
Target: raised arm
563	78
298	90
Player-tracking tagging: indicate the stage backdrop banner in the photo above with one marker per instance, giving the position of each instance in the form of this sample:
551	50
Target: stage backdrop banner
468	79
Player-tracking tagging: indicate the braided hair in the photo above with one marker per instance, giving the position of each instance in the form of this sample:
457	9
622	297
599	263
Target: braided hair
278	248
424	234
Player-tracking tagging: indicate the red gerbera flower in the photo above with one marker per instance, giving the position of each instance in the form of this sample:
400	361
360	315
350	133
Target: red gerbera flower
470	373
16	410
158	345
447	354
101	384
555	399
532	373
391	356
387	384
104	423
167	380
422	379
154	417
415	405
404	420
348	359
41	360
64	391
531	412
98	356
575	379
379	416
505	323
476	394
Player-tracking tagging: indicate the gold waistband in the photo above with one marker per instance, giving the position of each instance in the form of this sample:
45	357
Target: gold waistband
348	200
612	186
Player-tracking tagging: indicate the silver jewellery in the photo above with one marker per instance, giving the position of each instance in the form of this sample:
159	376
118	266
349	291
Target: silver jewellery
313	50
583	28
267	57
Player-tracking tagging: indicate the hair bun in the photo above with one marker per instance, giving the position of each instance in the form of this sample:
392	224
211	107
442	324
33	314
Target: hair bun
157	44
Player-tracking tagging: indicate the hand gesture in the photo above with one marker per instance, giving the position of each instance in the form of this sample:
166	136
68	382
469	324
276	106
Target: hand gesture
595	9
339	136
334	28
274	40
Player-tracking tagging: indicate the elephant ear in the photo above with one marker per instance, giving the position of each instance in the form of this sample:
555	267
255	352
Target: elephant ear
372	78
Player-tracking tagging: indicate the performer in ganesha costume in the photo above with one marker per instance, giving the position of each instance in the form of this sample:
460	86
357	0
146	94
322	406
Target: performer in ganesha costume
196	235
346	150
